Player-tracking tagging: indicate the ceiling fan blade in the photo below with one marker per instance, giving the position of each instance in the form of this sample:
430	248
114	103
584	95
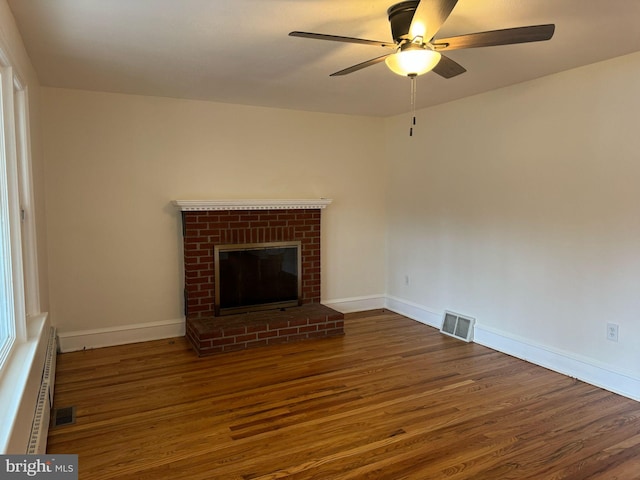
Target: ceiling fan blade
360	66
429	17
508	36
337	38
447	68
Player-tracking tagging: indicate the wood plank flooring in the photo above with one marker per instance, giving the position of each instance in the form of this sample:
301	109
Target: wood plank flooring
392	399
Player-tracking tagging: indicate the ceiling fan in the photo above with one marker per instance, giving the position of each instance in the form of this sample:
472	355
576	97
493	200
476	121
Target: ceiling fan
414	24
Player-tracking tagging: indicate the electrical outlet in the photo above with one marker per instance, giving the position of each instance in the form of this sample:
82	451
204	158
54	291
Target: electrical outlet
612	332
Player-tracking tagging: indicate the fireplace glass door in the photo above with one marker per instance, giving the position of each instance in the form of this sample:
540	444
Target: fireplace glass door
257	276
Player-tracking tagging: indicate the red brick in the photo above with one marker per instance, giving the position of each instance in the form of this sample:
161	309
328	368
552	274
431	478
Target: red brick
288	331
315	321
269	334
258	224
199	294
278	324
223	341
210	335
199	252
201	267
294	222
199	280
246	338
235	331
277	223
256	328
239	224
213	229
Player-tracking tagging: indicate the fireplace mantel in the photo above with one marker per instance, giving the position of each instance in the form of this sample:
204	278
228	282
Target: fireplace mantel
251	204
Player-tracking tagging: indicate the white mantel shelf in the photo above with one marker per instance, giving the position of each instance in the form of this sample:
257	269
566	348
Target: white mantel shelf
251	204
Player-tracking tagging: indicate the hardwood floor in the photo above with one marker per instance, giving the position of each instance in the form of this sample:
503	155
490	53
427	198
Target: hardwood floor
392	399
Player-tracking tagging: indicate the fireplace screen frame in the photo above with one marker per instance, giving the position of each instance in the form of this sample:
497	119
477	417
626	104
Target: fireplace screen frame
217	249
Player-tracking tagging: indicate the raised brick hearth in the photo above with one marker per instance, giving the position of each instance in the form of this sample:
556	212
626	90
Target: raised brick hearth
207	224
257	329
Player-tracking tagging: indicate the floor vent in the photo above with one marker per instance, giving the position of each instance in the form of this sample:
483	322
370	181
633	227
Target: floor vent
458	326
63	416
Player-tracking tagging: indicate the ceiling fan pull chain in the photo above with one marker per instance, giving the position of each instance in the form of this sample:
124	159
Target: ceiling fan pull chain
414	92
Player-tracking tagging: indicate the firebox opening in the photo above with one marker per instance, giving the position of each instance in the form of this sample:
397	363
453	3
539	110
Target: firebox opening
257	276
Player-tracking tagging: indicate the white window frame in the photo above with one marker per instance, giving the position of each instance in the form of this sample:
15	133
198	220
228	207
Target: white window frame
14	310
19	279
26	199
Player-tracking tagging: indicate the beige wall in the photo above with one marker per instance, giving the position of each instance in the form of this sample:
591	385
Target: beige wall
114	163
520	207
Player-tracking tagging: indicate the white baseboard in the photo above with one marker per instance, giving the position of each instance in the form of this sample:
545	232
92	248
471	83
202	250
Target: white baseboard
566	363
107	337
569	364
356	304
414	311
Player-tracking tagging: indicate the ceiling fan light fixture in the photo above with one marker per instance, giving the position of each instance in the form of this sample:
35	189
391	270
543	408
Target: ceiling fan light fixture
413	60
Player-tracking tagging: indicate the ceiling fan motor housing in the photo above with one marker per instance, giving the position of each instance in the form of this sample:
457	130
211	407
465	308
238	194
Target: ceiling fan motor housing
400	16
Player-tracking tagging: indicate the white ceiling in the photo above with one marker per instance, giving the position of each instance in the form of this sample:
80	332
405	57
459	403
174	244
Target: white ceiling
238	51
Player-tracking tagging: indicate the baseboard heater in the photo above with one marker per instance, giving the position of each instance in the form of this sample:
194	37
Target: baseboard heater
42	415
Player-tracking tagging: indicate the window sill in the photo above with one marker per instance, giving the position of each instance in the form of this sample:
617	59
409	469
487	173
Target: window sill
19	385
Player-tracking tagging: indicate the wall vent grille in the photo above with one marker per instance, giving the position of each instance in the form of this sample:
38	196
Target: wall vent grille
458	326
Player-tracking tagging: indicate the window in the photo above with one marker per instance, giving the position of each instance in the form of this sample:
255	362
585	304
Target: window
7	323
22	325
13	157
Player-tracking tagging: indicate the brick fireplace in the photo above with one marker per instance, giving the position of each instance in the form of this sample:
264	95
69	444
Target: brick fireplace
207	224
